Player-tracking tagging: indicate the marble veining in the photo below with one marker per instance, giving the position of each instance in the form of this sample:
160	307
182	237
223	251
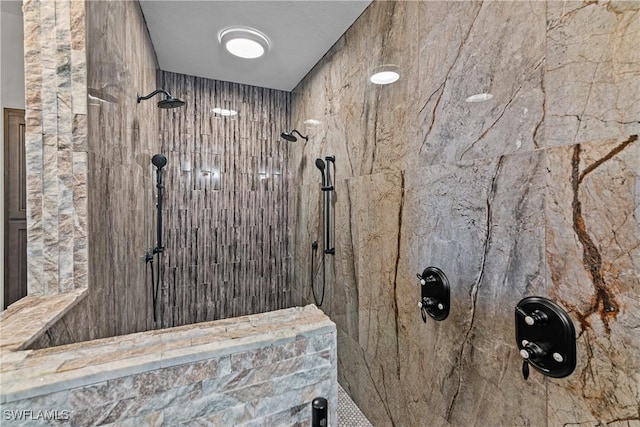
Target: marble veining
530	193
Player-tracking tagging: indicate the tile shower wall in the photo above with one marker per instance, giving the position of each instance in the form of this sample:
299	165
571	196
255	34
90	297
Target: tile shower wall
225	211
56	151
121	138
534	192
258	370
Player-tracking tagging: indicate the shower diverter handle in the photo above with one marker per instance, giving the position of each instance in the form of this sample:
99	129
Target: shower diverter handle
545	337
434	294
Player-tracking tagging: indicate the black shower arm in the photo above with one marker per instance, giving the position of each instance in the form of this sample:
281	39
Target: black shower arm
306	138
152	94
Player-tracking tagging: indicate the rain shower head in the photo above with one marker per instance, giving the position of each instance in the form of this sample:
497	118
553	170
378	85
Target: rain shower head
159	161
291	138
169	102
288	137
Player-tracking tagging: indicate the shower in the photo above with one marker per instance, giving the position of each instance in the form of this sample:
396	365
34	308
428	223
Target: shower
328	249
168	102
159	161
289	136
327	188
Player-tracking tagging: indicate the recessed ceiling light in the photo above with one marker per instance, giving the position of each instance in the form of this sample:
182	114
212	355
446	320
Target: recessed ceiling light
384	74
480	97
312	122
224	112
385	77
244	42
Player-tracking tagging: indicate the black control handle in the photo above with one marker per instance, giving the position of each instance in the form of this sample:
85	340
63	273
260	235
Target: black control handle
545	337
434	296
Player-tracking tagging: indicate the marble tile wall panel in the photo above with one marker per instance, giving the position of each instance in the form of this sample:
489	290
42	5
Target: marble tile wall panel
482	222
55	112
375	135
478	190
593	248
480	47
226	215
593	71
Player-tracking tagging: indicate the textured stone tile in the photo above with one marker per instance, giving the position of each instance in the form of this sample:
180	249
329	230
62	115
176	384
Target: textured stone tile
151	356
151	419
51	128
163	379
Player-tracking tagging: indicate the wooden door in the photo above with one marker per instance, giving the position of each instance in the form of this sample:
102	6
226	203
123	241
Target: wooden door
15	205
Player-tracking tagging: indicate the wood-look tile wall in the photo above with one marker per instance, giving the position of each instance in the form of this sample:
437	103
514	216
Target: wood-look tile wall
225	201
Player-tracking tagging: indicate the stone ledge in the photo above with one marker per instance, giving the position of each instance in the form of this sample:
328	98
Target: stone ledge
32	373
27	319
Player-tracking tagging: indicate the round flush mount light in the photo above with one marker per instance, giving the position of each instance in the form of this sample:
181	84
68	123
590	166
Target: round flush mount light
223	112
480	97
384	74
312	122
243	42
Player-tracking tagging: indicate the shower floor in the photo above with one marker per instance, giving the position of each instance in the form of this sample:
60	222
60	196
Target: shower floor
349	415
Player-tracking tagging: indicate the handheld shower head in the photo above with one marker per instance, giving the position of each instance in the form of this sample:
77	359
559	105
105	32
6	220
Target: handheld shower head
169	102
159	161
291	138
320	165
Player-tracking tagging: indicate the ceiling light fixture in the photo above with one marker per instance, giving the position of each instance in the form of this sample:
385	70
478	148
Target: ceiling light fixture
384	74
244	42
224	112
480	97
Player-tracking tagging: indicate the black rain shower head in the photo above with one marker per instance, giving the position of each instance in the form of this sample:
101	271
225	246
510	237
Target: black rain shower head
159	161
169	102
291	138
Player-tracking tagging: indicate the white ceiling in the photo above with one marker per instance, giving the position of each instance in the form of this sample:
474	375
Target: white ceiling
185	36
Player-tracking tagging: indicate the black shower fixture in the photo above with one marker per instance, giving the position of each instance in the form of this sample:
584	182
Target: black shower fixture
168	102
291	138
327	188
159	161
320	165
